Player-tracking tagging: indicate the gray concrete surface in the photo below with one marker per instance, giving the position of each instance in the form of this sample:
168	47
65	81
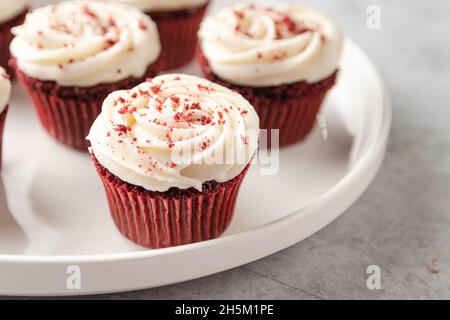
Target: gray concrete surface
402	222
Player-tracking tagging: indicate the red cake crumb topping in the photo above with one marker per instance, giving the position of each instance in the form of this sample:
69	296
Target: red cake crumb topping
121	129
175	99
239	14
143	25
87	11
177	113
143	92
109	43
285	25
204	145
103	26
204	88
156	89
280	56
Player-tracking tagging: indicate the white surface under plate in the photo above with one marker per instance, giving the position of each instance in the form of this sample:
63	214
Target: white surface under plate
53	212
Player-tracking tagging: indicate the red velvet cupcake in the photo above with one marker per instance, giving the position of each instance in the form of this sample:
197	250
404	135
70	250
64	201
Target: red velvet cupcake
70	56
283	59
178	22
12	13
172	154
5	92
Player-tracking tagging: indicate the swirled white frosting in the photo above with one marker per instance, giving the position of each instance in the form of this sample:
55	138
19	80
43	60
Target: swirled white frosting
162	5
5	89
175	131
79	43
269	46
9	9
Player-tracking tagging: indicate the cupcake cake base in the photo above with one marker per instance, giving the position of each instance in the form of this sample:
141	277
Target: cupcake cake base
5	39
172	218
2	127
291	108
178	35
67	113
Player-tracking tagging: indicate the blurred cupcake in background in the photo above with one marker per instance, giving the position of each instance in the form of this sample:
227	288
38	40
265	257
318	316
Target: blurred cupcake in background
172	153
5	92
282	58
12	13
71	55
178	22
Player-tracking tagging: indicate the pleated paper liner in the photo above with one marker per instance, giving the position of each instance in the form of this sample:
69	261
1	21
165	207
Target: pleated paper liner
292	109
6	37
3	115
176	217
178	34
294	118
67	113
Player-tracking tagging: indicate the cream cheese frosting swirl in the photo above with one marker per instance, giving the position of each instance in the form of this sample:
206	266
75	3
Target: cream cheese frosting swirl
81	43
268	46
175	131
163	5
9	9
5	89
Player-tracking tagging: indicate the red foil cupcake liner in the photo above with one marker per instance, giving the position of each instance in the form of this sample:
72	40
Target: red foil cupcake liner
6	37
2	127
292	109
176	217
178	35
67	113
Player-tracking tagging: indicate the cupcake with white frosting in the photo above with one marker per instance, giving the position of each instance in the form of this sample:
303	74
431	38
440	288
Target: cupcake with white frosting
5	92
282	58
12	13
70	56
172	153
178	22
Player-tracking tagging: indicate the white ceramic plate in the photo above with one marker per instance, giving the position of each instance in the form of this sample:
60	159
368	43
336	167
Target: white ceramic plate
53	213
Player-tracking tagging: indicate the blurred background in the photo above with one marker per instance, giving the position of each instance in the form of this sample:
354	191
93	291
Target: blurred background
402	222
